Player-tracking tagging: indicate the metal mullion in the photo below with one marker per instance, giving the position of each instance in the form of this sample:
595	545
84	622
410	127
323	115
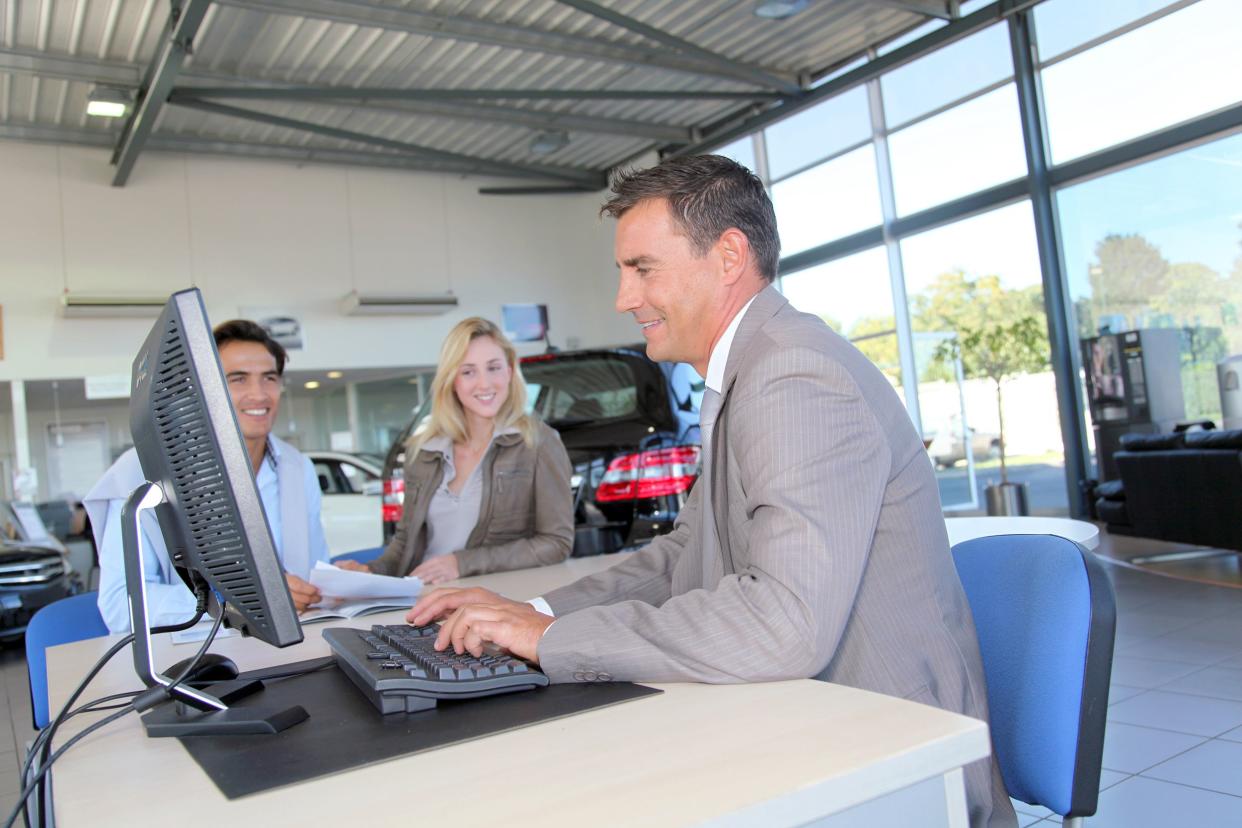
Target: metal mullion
1200	130
836	249
892	249
932	113
1118	32
1061	338
960	208
812	165
945	35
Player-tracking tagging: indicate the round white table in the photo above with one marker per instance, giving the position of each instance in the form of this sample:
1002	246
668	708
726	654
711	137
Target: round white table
1080	531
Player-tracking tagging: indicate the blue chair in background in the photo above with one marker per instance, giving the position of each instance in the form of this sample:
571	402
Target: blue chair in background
1045	614
360	555
66	620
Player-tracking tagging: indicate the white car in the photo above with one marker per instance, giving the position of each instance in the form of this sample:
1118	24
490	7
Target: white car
351	489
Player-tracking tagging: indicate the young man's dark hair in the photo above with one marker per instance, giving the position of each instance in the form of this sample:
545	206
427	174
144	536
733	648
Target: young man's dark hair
243	330
707	194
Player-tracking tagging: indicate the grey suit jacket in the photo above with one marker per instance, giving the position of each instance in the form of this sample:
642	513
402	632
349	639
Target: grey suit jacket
832	562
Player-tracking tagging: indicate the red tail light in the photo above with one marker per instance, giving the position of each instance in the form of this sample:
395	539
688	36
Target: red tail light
649	474
393	498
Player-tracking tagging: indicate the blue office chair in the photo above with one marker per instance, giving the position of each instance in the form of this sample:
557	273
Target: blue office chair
66	620
1045	615
360	555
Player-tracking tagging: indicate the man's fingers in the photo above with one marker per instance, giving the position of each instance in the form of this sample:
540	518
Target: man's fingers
433	605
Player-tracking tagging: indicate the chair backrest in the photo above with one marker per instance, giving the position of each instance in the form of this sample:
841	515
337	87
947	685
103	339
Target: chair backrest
1045	615
360	555
69	619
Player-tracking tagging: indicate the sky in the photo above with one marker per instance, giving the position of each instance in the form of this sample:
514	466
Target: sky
1189	204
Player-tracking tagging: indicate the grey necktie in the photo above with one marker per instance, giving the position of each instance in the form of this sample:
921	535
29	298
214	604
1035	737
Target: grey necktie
709	409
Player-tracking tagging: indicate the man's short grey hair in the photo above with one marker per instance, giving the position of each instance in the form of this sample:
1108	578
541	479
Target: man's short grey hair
707	195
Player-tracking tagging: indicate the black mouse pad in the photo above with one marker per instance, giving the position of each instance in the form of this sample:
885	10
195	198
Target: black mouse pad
345	730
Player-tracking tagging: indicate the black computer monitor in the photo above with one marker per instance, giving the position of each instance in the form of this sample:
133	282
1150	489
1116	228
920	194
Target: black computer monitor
202	489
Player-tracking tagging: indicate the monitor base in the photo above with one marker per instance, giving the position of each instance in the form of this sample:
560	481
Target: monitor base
177	720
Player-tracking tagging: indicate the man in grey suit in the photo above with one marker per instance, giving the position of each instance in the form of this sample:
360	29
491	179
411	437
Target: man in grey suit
813	544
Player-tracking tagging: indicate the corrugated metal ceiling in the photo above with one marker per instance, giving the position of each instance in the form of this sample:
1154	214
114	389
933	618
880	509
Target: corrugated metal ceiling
54	52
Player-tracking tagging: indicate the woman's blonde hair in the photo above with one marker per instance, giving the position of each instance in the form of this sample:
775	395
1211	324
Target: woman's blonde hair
447	417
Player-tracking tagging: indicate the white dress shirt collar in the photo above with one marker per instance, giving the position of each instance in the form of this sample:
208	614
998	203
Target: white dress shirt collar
720	354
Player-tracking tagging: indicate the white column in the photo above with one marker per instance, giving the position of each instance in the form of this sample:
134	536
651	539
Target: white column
25	478
351	413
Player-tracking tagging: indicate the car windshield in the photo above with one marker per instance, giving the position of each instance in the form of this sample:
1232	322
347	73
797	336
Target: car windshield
583	389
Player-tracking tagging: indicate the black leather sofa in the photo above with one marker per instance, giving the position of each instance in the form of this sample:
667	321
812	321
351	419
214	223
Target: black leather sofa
1183	487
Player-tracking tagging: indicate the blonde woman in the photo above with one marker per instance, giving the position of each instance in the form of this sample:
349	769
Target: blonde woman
486	484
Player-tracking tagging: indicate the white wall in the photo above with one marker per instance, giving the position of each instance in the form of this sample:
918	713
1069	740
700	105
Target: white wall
260	233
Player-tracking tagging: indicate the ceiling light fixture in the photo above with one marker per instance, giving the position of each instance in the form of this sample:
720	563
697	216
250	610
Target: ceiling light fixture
108	102
335	375
779	9
546	143
311	385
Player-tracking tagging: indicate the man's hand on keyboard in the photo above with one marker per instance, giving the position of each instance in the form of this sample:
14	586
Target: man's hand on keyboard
478	616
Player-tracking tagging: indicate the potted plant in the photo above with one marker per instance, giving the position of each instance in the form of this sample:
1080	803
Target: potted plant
999	351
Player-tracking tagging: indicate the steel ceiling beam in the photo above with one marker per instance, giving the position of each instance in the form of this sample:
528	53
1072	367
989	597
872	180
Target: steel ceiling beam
385	93
537	119
928	8
129	75
63	67
183	22
473	30
723	132
739	70
233	149
501	168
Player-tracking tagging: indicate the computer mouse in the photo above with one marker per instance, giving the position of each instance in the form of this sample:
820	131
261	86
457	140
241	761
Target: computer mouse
210	668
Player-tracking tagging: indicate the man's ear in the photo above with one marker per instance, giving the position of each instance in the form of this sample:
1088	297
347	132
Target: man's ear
734	250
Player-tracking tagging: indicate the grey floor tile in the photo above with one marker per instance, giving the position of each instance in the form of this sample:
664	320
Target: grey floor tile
1023	820
1136	671
1235	661
1198	715
1130	749
1215	765
1152	623
1218	682
1139	802
1179	647
1120	692
1108	778
1037	811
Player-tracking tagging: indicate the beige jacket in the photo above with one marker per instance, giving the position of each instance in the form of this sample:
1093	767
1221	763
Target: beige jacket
525	518
830	557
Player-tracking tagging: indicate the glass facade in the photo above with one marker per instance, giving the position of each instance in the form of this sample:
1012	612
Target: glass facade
1137	262
1144	241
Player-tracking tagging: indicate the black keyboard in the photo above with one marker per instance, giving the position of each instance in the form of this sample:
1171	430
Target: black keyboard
398	669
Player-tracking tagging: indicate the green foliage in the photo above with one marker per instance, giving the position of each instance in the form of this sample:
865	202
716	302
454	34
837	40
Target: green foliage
1000	332
998	351
876	337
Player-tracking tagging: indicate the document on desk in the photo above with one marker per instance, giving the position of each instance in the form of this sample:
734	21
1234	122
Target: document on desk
335	582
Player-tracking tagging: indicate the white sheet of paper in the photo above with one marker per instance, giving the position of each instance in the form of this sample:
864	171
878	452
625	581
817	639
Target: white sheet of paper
345	583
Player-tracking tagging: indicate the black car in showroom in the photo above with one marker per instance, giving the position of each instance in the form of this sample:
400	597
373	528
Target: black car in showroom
631	428
31	577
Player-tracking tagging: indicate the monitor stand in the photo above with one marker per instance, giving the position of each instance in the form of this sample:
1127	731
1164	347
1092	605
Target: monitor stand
187	711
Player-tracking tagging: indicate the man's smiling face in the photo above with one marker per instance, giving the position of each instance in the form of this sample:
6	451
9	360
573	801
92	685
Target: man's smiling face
671	290
254	385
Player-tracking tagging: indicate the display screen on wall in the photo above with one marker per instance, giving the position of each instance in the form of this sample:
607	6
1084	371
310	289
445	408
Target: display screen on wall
524	323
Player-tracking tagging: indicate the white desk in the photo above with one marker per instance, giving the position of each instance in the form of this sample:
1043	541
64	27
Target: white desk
782	753
1080	531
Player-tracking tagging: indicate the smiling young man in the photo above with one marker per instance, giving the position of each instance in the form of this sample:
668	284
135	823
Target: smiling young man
812	544
253	365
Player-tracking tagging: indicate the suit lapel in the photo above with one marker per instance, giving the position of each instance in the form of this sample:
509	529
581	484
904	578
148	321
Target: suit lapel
766	304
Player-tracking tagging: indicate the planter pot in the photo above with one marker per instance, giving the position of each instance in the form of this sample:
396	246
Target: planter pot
1006	499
